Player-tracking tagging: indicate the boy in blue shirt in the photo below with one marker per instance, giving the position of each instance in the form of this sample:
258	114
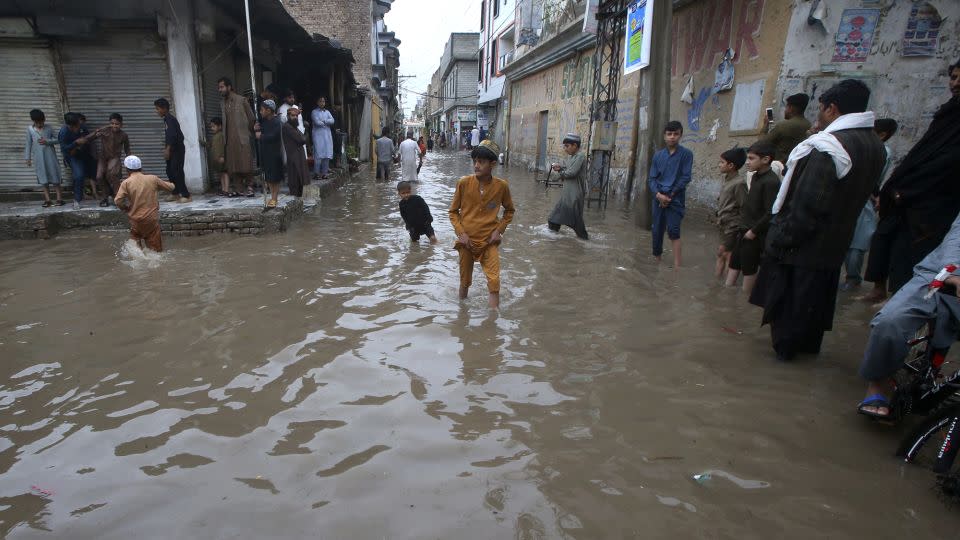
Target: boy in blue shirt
669	176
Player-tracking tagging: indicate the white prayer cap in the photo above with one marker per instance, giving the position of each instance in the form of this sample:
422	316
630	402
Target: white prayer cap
293	107
132	163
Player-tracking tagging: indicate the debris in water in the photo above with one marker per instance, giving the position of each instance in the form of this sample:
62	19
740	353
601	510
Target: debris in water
733	331
42	492
702	478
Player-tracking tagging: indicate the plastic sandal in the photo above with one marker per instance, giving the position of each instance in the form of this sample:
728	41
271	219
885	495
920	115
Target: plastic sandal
876	400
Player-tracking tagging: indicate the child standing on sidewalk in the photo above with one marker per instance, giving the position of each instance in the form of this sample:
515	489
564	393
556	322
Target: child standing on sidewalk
474	216
218	155
114	145
415	213
733	195
137	196
40	154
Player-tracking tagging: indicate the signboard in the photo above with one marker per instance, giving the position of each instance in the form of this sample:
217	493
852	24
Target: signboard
639	30
604	136
466	115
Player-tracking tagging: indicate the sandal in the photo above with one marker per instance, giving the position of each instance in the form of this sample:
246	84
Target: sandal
271	203
222	193
877	401
250	193
60	202
47	204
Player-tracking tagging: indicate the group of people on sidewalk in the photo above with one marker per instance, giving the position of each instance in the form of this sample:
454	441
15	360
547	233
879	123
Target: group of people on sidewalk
817	198
94	157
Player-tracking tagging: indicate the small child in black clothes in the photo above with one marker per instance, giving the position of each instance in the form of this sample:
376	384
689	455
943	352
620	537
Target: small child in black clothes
415	213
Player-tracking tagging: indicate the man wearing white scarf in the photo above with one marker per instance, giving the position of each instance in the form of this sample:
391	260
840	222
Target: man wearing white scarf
829	177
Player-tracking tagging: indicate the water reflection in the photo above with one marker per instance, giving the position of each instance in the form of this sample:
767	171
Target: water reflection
330	376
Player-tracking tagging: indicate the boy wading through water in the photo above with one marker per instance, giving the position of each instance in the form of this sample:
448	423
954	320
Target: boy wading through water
755	216
733	195
415	213
669	175
137	196
569	209
474	216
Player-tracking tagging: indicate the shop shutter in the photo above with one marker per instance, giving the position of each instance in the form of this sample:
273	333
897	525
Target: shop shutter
29	81
124	72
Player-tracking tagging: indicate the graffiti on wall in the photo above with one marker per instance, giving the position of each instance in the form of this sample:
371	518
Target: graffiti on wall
577	77
707	29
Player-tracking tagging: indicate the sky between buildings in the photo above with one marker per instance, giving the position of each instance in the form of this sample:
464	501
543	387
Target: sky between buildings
423	27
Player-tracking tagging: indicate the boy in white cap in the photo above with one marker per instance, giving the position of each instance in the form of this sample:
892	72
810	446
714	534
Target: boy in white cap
137	196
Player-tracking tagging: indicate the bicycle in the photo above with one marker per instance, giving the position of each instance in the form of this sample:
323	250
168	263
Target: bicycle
933	445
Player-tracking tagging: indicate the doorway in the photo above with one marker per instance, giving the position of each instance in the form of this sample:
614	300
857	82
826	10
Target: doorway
542	142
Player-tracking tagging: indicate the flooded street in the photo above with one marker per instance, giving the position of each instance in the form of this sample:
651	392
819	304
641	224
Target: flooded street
326	383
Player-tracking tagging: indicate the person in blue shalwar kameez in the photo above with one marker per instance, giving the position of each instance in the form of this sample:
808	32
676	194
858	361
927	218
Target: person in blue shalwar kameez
322	138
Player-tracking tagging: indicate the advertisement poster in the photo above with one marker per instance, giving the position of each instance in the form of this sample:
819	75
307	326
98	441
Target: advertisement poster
639	26
855	35
923	31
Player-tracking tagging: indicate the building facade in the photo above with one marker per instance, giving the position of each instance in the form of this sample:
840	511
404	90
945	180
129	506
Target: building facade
497	35
458	76
358	27
782	47
105	57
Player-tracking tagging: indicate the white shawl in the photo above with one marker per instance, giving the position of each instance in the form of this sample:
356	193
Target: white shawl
824	142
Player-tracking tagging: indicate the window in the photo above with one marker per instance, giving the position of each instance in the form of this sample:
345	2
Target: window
496	8
493	58
480	65
483	13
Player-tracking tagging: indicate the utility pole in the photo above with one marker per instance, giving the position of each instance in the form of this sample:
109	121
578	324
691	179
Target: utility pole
655	84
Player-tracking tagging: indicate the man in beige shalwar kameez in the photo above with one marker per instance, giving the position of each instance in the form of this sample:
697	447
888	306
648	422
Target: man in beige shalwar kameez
238	122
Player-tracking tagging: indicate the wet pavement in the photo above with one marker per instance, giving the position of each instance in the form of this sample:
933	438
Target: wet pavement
326	382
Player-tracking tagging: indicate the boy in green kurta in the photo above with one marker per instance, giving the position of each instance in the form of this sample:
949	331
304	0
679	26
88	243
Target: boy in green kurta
474	216
218	154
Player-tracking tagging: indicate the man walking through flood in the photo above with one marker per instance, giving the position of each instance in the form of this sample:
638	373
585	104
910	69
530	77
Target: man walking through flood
829	177
238	121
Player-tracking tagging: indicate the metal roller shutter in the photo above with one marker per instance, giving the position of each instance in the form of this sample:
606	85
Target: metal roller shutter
29	81
123	72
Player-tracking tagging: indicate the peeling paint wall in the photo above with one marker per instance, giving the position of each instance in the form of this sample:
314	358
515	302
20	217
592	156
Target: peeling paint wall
564	90
702	31
907	89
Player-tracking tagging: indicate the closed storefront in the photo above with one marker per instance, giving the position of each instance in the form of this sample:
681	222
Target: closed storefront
216	61
122	71
29	81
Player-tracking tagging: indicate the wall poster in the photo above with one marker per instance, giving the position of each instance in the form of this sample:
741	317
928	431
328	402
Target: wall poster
923	31
639	28
855	35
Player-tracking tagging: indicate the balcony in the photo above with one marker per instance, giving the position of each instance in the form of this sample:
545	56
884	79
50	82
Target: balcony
504	60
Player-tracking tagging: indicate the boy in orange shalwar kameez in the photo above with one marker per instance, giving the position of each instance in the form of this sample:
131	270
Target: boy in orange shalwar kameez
474	214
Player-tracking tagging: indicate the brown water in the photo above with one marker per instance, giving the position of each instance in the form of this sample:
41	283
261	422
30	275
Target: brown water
327	383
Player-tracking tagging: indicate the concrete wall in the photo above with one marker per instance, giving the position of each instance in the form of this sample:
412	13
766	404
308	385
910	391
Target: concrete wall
564	90
907	89
702	30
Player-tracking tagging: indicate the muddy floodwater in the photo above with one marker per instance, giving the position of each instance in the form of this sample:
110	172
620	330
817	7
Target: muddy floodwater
326	383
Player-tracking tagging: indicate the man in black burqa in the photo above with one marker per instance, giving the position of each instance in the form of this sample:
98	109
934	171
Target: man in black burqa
829	177
920	200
